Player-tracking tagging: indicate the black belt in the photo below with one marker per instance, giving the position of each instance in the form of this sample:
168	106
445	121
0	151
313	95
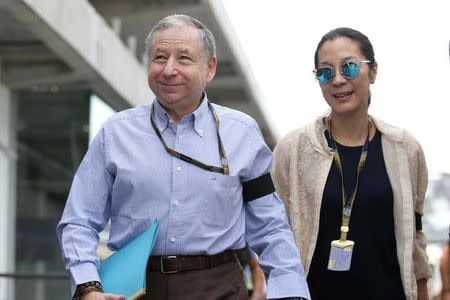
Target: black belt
183	263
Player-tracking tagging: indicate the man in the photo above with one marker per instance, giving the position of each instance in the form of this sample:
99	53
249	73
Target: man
253	275
191	164
444	269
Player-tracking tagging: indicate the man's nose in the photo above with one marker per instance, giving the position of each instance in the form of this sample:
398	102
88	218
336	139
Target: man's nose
170	67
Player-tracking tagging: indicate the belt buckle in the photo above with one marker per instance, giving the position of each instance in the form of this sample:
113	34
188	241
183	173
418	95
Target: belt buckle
163	258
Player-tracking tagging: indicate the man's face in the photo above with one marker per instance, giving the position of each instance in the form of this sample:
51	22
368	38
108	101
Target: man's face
178	68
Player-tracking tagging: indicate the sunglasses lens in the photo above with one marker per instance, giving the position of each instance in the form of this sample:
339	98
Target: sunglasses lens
350	70
325	75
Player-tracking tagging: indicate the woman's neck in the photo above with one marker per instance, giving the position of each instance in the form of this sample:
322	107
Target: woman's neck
350	130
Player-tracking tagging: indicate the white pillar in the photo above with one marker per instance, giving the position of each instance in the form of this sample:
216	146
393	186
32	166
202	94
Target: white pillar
7	192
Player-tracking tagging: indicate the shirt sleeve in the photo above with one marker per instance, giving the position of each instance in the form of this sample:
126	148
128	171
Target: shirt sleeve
269	235
86	213
421	264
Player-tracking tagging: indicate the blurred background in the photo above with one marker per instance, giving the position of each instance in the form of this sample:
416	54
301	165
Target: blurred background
67	65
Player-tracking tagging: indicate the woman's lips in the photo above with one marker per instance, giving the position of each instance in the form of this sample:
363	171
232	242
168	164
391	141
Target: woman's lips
343	95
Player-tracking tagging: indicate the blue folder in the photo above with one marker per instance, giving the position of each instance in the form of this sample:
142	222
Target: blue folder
123	273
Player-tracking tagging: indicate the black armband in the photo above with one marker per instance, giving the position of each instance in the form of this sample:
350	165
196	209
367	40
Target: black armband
257	188
418	222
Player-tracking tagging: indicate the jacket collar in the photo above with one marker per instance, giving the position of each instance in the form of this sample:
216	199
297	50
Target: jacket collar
316	133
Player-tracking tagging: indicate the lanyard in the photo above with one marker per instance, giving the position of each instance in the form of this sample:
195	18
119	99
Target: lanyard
225	170
347	204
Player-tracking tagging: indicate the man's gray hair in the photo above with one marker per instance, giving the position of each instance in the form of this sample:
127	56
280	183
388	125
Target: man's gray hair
209	42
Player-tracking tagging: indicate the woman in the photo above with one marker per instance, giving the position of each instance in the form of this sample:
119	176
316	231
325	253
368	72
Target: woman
354	186
444	269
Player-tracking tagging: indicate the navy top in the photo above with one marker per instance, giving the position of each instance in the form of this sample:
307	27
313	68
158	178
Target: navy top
374	271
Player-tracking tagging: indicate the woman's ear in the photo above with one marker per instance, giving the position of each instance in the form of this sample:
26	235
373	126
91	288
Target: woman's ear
373	73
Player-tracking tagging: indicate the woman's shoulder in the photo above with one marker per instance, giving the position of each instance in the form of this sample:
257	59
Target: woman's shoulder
293	135
397	134
291	141
300	133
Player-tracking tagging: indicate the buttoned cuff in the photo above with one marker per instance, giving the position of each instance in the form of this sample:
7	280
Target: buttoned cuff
287	285
82	273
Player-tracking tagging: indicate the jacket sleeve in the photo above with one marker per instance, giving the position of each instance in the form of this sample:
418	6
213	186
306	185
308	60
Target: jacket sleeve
422	268
280	171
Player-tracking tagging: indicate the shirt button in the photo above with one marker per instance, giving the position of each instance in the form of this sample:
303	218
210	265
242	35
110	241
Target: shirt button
200	131
180	137
172	239
178	169
176	202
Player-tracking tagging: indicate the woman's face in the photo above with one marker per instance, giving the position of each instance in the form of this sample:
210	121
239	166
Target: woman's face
345	95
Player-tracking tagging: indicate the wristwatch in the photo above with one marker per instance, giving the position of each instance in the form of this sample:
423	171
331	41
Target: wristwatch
85	288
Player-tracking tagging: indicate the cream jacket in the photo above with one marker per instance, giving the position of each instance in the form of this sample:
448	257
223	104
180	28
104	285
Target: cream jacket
302	161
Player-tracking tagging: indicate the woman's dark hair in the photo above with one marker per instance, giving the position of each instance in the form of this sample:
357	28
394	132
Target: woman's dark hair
364	44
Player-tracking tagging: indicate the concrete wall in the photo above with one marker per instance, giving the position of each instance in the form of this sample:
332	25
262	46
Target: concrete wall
7	191
83	39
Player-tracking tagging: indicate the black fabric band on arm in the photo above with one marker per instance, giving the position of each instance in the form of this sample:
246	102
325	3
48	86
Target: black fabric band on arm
257	188
418	222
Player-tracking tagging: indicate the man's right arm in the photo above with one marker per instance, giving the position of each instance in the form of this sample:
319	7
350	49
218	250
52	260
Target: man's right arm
86	213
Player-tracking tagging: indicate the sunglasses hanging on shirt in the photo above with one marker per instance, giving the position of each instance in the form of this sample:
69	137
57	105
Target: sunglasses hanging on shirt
349	69
223	158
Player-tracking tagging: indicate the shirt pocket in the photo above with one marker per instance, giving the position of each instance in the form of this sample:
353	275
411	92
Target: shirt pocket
223	200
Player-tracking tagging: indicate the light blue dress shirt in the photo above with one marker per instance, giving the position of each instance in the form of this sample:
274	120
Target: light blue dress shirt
128	177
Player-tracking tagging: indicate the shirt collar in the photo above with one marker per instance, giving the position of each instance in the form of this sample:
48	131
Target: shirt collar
201	115
162	119
198	116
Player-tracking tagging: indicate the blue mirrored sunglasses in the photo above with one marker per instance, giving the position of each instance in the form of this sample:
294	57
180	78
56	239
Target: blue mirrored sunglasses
349	69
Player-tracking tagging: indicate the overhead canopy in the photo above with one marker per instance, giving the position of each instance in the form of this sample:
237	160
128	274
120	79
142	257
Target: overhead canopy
99	45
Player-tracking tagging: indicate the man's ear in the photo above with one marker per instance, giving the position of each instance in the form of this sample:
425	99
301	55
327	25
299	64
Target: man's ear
212	66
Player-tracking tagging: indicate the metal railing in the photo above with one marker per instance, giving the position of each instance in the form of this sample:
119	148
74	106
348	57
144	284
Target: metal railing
34	285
